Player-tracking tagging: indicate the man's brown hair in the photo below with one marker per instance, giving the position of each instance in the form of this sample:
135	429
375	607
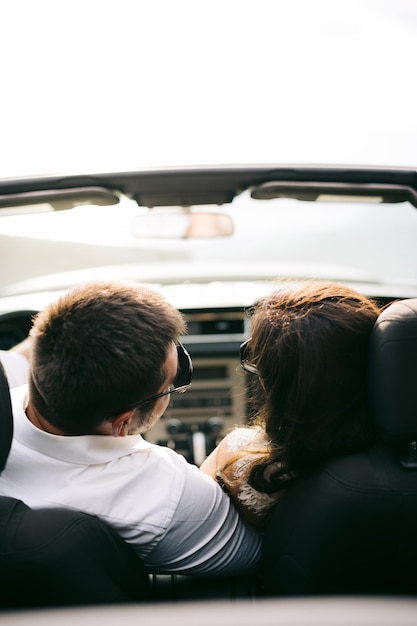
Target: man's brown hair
100	350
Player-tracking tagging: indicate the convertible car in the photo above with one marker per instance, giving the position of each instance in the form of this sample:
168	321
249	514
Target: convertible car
214	240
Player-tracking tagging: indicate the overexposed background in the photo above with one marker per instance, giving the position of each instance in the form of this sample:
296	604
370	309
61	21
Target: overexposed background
102	85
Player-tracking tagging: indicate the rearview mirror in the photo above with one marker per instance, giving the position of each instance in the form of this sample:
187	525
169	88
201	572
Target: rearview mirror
181	225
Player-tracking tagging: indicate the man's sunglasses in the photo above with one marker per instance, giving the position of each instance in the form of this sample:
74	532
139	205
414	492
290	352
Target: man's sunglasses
246	365
182	379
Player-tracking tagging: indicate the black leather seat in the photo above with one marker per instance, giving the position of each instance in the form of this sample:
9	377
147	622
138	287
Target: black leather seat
351	528
56	557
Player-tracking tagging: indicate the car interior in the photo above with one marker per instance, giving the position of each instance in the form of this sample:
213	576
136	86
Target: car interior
346	531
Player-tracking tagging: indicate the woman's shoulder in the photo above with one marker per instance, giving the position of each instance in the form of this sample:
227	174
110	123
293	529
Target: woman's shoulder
246	437
240	448
246	447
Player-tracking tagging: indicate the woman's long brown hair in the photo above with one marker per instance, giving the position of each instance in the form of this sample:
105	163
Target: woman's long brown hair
310	345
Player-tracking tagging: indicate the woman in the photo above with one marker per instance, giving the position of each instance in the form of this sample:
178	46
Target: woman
307	357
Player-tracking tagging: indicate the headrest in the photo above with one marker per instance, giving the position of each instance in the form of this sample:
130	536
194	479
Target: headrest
393	372
6	419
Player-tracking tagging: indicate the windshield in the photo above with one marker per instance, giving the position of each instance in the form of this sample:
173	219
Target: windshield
347	241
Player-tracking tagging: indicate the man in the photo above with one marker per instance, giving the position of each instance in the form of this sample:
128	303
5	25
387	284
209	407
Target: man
105	358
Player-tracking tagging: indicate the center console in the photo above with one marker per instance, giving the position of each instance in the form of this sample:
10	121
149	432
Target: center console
215	402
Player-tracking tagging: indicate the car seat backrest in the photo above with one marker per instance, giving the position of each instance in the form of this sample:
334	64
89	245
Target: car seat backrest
393	378
6	419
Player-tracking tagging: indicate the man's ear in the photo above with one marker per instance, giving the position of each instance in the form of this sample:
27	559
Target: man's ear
119	424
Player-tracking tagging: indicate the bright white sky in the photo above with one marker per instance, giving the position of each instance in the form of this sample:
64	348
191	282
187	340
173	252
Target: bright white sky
101	85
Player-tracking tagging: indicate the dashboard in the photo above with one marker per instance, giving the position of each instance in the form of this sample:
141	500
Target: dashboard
216	401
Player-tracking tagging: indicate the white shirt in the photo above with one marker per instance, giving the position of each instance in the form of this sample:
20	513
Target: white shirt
177	518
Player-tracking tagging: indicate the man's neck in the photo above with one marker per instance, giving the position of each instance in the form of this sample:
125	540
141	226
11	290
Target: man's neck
40	422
